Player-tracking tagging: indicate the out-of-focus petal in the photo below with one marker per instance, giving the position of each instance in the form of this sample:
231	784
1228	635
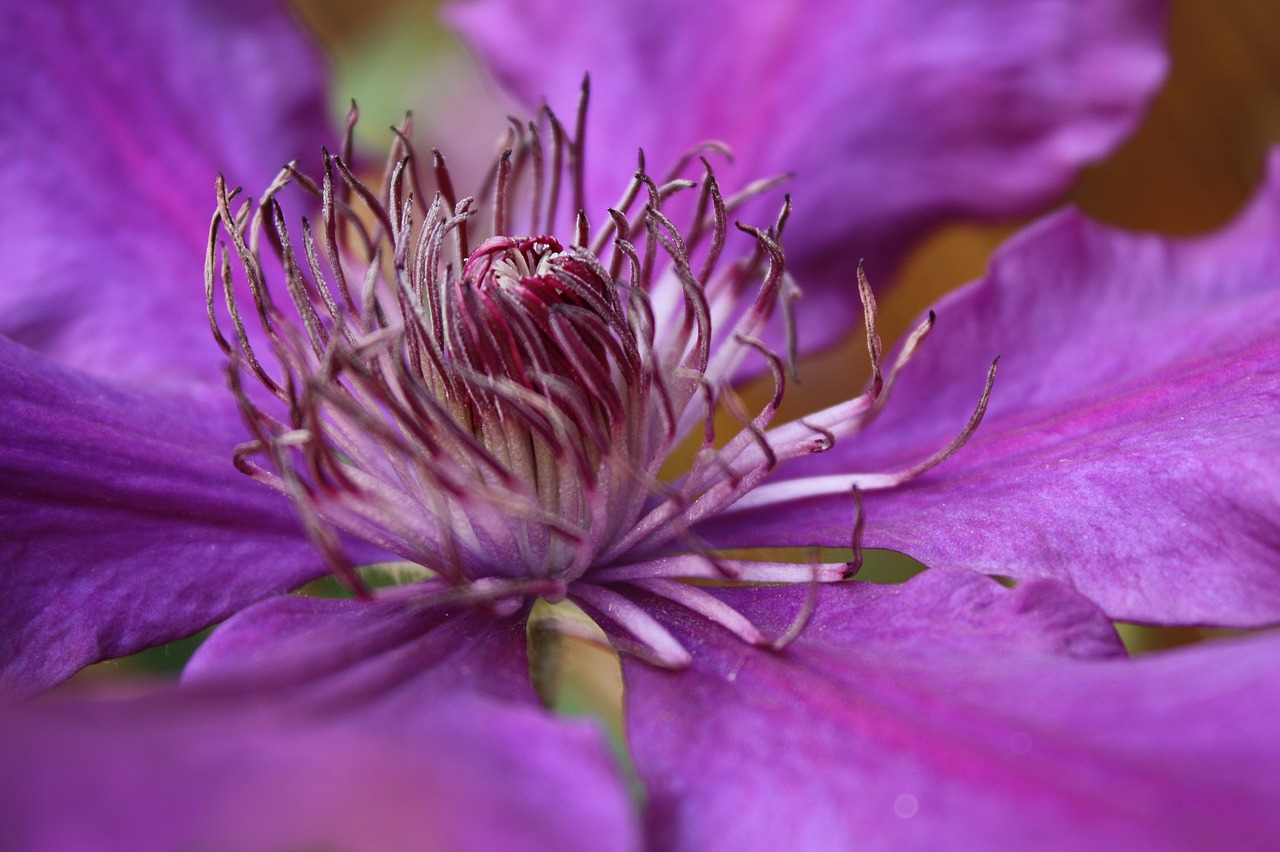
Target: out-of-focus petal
389	649
892	117
254	765
1130	443
116	118
920	717
124	522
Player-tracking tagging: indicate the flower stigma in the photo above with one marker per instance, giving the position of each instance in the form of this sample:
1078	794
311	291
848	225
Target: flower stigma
489	387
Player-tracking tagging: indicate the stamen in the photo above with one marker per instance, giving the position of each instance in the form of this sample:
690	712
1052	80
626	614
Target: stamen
874	348
873	482
500	202
644	628
801	621
720	222
708	606
819	486
577	149
855	535
455	381
702	567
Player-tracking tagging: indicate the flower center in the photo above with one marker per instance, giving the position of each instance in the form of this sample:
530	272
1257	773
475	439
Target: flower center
525	310
496	411
500	412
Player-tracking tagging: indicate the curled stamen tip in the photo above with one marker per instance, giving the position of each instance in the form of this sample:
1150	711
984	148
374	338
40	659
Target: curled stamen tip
823	439
722	148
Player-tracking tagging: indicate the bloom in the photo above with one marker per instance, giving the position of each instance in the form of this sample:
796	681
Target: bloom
894	715
163	144
497	407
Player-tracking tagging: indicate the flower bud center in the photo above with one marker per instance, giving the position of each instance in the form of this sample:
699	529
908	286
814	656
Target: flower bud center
518	298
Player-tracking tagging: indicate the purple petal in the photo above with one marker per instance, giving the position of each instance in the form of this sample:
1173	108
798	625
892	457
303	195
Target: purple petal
390	649
125	523
117	117
938	715
453	768
1129	446
892	117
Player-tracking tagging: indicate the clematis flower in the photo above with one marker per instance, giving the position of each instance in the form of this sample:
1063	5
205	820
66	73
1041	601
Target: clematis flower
503	419
169	115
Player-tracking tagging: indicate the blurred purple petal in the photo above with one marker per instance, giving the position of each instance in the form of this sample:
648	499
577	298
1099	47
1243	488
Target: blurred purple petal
453	768
118	116
125	523
1130	441
923	717
388	649
892	117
